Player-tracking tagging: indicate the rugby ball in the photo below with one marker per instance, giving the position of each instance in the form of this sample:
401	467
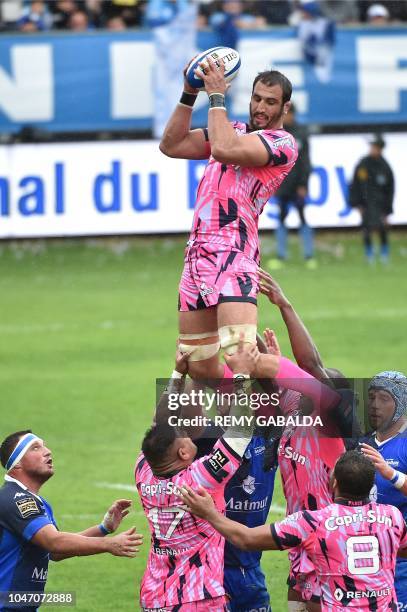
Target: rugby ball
229	57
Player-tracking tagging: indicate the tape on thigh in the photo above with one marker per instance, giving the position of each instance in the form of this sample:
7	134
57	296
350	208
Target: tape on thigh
200	352
230	334
297	606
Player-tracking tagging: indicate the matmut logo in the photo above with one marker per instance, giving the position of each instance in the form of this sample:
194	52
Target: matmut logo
39	574
340	594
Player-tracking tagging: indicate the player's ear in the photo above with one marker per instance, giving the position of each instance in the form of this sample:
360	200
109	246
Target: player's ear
183	453
286	107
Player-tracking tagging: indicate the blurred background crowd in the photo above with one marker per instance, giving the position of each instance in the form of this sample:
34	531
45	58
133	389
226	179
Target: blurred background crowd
119	15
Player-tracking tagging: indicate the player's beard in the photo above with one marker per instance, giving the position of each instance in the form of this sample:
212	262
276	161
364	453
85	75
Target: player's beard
272	123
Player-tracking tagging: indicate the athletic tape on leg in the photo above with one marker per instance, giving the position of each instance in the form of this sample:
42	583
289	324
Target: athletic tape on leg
230	335
200	352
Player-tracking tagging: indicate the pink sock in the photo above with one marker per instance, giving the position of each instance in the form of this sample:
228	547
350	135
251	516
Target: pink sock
291	376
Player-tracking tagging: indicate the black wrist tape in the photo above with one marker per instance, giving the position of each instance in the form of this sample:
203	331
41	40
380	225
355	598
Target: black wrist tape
188	98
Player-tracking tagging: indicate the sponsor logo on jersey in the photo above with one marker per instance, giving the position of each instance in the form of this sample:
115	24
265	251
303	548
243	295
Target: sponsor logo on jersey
166	488
332	523
170	552
289	453
217	461
281	142
373	493
246	505
39	574
27	507
249	485
20	494
339	594
259	450
204	290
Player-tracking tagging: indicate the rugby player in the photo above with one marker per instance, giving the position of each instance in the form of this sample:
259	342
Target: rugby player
306	456
387	448
185	565
247	163
353	542
29	536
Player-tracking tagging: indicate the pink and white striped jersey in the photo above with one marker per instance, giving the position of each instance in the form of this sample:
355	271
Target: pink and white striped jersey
353	546
230	198
185	562
306	459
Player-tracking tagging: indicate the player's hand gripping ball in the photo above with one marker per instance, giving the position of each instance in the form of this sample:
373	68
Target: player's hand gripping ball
229	57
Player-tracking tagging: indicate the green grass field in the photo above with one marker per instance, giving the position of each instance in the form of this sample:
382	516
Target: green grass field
86	327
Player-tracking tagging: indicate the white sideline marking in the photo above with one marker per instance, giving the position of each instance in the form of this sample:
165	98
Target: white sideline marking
277	509
116	485
40	328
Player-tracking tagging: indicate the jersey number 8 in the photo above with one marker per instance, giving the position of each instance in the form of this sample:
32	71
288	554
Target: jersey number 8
355	555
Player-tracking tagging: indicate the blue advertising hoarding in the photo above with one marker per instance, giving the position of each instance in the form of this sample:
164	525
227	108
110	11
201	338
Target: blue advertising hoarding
105	81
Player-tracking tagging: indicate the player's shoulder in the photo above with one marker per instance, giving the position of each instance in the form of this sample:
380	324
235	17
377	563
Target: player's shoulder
240	127
390	511
278	137
11	491
16	501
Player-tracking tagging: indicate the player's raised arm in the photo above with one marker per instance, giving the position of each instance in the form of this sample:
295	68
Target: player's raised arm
303	346
201	504
111	521
178	139
175	386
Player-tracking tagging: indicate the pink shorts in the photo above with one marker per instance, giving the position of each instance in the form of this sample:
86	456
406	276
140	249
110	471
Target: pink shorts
213	275
217	604
303	577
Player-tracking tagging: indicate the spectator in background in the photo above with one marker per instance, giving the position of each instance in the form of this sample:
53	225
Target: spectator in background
131	11
377	15
397	9
116	24
62	11
79	22
293	191
317	36
340	11
276	12
232	17
35	18
372	192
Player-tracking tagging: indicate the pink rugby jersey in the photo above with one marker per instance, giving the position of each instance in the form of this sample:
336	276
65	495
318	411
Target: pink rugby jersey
353	547
230	198
306	460
185	562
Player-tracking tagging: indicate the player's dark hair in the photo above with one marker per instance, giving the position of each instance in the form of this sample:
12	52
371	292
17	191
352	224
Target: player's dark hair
355	475
157	442
9	444
274	77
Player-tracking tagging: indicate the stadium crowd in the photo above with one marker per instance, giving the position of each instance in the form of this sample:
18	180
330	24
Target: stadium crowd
118	15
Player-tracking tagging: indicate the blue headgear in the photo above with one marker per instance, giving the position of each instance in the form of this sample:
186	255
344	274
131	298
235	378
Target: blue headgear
394	383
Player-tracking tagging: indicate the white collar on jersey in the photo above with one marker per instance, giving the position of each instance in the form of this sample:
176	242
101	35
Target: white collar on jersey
8	478
380	443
